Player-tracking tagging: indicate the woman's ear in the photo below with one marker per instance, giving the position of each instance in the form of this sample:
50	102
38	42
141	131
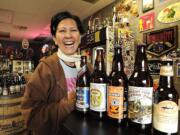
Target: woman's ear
54	39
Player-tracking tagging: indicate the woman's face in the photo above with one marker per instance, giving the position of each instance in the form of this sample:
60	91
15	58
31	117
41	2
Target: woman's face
67	36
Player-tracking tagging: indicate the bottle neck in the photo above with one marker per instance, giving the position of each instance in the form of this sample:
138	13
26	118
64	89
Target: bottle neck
118	64
99	62
141	59
166	76
83	61
166	81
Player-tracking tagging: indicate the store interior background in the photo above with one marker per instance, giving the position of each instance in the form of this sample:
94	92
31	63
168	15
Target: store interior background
107	12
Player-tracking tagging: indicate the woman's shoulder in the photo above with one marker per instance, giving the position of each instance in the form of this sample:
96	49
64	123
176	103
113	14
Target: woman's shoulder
49	59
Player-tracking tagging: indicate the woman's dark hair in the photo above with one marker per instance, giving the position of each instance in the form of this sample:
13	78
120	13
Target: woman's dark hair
64	15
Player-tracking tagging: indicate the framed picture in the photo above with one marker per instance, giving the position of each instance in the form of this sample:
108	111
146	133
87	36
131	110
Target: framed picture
146	22
162	41
178	69
147	5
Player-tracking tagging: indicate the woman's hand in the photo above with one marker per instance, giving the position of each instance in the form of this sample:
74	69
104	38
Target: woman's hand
71	97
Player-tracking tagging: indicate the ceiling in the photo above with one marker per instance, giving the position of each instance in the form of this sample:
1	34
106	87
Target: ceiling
29	19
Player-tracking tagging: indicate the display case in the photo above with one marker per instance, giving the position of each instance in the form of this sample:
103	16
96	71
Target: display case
23	66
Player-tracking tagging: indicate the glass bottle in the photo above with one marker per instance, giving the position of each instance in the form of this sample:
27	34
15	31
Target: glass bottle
140	94
17	84
165	109
117	90
12	89
82	87
5	90
22	84
1	84
98	87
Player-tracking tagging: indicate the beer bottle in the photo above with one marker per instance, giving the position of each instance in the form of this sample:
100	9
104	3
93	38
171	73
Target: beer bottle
12	89
117	90
140	94
17	84
5	89
165	109
1	84
82	87
22	84
98	87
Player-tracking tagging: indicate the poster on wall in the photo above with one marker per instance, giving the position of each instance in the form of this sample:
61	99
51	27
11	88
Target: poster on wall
161	41
146	22
170	14
147	5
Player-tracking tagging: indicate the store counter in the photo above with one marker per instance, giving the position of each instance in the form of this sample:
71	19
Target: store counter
77	124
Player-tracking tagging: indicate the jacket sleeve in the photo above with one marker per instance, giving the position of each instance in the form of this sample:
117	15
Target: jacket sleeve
41	116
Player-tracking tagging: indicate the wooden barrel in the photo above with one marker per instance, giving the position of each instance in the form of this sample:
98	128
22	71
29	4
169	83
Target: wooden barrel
11	120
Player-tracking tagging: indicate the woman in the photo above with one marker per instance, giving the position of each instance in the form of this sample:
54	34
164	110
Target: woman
50	93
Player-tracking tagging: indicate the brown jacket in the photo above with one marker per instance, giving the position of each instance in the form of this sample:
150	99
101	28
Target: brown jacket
45	104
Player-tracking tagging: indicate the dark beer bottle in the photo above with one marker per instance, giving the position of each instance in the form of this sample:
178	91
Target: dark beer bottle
117	90
140	94
98	86
22	84
82	87
1	84
5	89
165	109
12	89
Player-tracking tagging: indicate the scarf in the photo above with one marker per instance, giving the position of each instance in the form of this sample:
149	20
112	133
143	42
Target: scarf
70	58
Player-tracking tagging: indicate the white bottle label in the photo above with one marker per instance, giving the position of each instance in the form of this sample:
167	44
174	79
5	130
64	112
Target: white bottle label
12	89
140	104
166	71
165	117
98	97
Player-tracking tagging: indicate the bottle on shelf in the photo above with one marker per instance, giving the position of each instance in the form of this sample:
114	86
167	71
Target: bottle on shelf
140	94
17	84
165	108
5	89
12	89
98	87
117	90
1	84
83	87
22	84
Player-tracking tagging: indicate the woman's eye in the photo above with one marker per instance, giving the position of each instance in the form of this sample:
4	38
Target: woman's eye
61	31
74	30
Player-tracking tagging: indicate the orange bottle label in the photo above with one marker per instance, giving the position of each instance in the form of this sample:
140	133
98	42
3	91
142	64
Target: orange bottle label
115	102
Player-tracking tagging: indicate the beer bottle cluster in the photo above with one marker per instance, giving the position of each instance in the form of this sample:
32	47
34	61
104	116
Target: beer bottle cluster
131	102
11	84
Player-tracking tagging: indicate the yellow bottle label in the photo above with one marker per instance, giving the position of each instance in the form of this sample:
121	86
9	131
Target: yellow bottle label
115	102
98	96
165	116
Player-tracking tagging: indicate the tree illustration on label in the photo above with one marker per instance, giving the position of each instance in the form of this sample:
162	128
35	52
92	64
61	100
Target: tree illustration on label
96	98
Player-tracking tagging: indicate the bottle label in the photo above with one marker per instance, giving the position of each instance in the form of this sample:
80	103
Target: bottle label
166	71
98	97
165	117
82	97
115	102
17	87
140	104
1	90
5	92
12	89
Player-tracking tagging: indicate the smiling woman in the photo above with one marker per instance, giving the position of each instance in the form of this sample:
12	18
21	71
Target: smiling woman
50	93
